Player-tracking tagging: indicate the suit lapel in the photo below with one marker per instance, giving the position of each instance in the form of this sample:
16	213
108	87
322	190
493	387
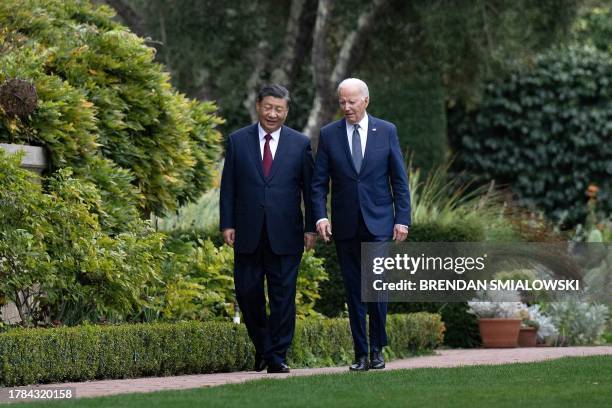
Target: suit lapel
345	144
281	153
370	141
256	150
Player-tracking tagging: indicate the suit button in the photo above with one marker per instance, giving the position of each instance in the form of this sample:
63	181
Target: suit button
359	181
261	206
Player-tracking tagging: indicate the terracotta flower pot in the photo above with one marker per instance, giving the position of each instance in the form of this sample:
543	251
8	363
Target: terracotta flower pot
498	332
527	337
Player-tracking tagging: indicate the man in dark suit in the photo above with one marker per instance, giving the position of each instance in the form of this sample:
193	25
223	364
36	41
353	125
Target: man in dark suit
267	173
370	203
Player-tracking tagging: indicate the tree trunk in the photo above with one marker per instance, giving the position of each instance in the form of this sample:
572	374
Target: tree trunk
325	105
298	39
261	53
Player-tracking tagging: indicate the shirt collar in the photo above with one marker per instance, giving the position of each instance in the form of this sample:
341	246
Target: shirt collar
262	133
363	124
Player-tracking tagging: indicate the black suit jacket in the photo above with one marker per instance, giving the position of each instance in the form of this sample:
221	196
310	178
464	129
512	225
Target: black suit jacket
248	198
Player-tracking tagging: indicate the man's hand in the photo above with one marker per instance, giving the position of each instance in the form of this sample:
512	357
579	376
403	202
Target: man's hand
400	232
309	240
324	229
229	236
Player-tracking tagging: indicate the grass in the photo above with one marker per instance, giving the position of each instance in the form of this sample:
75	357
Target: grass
568	382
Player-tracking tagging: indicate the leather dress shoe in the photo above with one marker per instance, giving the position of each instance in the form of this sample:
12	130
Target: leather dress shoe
260	363
377	361
281	368
360	364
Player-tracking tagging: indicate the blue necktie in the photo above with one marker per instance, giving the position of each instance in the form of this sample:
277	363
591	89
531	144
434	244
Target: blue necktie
356	149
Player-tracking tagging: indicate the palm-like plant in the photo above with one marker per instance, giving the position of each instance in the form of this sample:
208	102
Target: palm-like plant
442	200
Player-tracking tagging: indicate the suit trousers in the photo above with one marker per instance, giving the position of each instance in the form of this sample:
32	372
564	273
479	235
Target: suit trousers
271	335
349	255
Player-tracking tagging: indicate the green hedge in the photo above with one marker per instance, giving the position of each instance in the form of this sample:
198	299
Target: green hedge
95	352
544	131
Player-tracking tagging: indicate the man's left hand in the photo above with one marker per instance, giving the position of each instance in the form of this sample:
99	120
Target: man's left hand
309	240
400	232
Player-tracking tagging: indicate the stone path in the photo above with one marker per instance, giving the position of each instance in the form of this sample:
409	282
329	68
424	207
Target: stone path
442	358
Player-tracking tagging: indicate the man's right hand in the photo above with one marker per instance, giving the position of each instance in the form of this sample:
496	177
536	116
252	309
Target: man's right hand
229	236
325	230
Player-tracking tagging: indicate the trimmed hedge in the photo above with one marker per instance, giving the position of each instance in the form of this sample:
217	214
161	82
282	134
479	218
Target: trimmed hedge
82	353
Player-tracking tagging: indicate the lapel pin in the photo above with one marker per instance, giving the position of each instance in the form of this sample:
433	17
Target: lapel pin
373	129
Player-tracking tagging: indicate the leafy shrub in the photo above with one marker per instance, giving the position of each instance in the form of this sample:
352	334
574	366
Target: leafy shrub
544	131
547	332
57	263
578	322
94	352
198	282
105	108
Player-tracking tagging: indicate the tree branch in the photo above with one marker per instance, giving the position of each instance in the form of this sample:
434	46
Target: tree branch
326	79
350	52
321	73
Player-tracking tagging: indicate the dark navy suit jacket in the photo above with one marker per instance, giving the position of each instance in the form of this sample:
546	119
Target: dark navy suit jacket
380	190
246	195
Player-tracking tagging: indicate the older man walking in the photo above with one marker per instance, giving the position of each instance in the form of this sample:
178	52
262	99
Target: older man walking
370	203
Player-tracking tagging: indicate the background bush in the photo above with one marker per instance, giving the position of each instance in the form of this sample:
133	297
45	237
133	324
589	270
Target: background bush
198	282
82	353
577	322
105	108
544	131
56	261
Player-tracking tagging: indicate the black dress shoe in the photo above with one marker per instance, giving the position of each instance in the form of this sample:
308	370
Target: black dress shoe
281	368
260	363
377	360
361	364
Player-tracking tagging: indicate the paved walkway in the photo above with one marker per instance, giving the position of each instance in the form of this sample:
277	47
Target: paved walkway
442	358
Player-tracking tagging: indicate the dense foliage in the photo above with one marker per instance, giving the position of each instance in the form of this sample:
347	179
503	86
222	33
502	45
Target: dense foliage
545	131
56	261
59	266
199	282
105	108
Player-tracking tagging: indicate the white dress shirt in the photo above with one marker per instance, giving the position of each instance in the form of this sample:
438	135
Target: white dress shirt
363	134
273	142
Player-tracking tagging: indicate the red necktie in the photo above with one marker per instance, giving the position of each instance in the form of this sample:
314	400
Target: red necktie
267	156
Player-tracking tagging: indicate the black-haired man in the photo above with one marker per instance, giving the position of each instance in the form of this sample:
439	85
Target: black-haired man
267	172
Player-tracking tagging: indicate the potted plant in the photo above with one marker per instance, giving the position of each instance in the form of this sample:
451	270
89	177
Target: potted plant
528	333
499	322
547	333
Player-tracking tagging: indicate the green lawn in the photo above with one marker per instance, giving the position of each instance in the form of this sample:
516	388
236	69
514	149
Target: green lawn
569	382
